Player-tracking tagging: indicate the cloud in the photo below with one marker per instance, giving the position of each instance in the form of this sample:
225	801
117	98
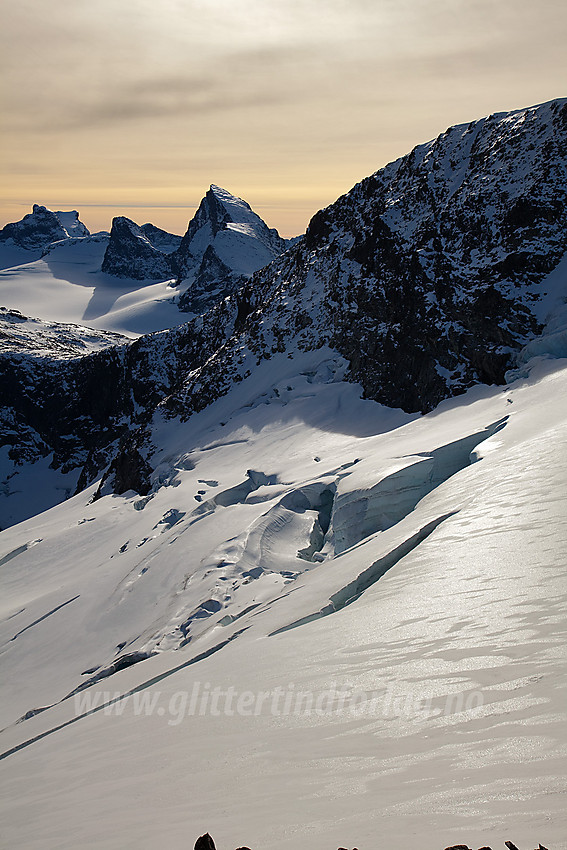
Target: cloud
165	98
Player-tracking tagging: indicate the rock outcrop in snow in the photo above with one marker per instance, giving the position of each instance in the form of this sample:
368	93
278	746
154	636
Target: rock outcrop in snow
131	254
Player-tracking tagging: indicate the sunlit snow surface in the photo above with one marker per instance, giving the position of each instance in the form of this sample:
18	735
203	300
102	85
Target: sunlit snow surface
432	584
66	285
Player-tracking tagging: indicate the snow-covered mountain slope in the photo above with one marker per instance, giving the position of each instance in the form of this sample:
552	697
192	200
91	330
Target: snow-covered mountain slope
421	277
71	413
225	242
19	333
128	283
67	285
356	612
428	275
25	240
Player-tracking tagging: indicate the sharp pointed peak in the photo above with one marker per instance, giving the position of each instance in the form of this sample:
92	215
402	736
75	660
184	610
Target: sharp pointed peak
226	197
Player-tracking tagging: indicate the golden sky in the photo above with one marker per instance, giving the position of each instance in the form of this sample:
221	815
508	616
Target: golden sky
133	107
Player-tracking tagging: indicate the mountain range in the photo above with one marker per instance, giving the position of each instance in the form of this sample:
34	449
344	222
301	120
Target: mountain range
334	467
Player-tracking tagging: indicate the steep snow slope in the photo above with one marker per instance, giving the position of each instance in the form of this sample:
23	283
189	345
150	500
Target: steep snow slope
318	544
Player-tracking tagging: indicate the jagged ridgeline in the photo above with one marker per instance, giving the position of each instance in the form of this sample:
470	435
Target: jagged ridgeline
224	244
427	277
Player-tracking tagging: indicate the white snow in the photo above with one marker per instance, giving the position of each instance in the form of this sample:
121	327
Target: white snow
71	223
66	285
440	602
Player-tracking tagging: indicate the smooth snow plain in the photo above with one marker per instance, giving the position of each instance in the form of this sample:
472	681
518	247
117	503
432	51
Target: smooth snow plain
67	285
423	617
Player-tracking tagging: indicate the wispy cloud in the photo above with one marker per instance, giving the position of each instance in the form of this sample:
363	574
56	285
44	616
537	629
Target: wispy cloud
155	100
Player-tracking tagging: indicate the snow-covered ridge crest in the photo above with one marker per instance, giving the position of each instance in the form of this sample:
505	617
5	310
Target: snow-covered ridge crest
36	230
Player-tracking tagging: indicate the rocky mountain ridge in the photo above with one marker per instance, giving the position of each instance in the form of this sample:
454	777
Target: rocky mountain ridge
36	230
427	275
426	278
224	244
130	253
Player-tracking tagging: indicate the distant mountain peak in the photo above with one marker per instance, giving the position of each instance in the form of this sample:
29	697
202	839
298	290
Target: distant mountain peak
224	236
131	254
38	229
232	202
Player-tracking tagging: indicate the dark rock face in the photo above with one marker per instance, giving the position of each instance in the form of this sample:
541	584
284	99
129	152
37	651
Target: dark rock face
85	410
424	275
161	239
131	254
205	842
224	244
35	231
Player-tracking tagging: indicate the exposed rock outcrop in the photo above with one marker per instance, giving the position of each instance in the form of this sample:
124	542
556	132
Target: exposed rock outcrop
130	254
161	239
35	231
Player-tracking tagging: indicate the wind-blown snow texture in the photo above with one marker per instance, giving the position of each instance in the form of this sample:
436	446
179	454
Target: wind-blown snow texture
244	521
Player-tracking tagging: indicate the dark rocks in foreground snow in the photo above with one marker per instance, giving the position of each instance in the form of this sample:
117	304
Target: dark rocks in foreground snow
205	842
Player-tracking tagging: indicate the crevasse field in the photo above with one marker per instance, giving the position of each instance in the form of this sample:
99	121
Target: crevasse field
329	623
365	612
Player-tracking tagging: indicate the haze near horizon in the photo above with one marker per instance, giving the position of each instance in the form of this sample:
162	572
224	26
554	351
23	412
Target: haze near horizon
129	109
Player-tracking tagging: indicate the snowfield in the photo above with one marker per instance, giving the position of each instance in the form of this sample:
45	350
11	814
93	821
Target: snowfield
317	621
344	626
66	285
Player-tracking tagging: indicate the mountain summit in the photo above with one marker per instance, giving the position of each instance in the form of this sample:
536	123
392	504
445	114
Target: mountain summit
36	230
225	227
131	254
225	243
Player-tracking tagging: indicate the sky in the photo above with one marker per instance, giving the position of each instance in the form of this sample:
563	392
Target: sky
133	107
